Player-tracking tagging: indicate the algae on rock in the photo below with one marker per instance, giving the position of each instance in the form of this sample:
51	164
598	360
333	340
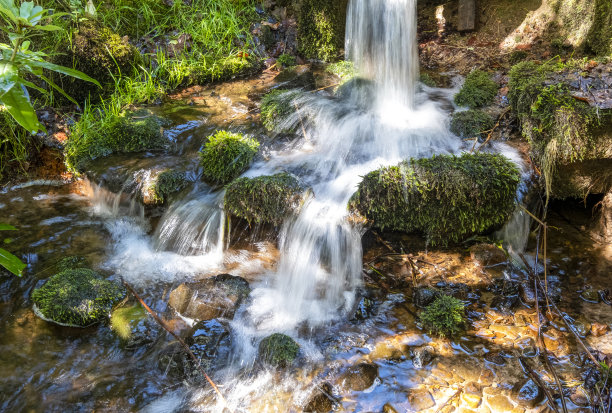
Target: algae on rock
448	198
163	184
276	107
278	350
321	28
226	155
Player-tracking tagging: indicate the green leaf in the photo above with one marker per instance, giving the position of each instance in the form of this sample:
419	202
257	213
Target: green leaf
11	262
63	70
7	7
48	28
9	77
7	227
59	89
20	108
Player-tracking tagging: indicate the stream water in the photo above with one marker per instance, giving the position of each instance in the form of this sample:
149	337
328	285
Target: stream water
306	281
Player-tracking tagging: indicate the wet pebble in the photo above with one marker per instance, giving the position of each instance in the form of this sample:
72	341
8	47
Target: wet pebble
423	296
359	377
321	399
421	356
599	329
527	394
472	395
499	403
495	358
590	294
420	399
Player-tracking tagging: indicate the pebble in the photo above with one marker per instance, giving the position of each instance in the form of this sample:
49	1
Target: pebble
499	403
420	399
598	329
527	394
472	395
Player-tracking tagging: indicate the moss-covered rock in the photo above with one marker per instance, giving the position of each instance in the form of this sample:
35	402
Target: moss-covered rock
286	60
226	155
278	350
163	184
478	90
445	316
321	28
78	297
128	132
276	106
98	52
472	123
570	139
344	69
448	198
265	199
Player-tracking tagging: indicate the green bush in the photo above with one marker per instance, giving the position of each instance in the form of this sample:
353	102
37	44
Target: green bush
276	106
471	123
77	297
448	198
226	155
321	27
278	350
445	316
477	91
265	199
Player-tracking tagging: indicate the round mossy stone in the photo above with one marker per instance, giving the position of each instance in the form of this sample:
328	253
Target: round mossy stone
278	349
225	156
77	298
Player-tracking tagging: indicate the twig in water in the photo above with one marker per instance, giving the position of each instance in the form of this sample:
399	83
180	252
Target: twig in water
539	383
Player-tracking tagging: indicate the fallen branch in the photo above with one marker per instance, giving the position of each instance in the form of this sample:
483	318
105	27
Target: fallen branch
539	383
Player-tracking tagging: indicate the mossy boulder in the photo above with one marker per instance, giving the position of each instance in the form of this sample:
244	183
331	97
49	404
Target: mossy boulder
344	69
125	133
445	316
78	297
472	123
161	185
278	350
448	198
98	52
567	119
225	156
478	90
265	199
276	107
321	28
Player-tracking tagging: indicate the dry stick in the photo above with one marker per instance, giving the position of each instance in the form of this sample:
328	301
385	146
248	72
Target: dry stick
490	135
539	382
185	346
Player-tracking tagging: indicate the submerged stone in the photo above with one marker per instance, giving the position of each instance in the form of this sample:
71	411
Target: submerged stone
422	356
448	198
359	377
423	296
420	399
487	254
77	298
278	350
527	394
321	400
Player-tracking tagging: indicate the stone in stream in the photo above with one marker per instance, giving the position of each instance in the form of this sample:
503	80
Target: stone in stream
423	296
420	399
499	403
321	400
590	294
527	394
421	356
487	255
472	395
214	297
278	350
359	377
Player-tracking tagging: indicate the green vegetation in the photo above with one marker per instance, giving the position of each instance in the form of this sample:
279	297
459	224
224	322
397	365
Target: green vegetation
445	316
471	123
98	135
265	199
122	320
14	144
8	260
162	185
226	155
78	297
276	106
599	38
448	198
478	90
427	80
344	69
278	350
321	26
286	60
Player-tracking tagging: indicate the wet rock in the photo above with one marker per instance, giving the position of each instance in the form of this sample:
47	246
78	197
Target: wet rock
598	329
364	309
421	356
321	400
209	339
472	395
527	394
495	358
132	324
590	295
457	290
499	403
487	254
528	294
213	297
582	327
278	350
388	408
359	377
420	399
423	296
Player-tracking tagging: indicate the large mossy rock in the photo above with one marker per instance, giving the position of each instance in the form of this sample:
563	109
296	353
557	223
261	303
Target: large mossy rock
566	115
225	156
161	185
478	90
471	123
98	52
321	28
78	297
448	198
278	350
265	199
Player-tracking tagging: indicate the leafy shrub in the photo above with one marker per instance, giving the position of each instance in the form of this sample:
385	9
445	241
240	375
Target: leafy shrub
265	199
446	197
445	316
226	155
276	106
477	91
471	123
78	297
278	350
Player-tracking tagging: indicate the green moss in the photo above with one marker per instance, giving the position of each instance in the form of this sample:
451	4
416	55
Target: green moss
278	350
275	107
71	262
225	156
321	26
517	56
164	184
344	69
78	297
122	320
471	123
122	133
448	198
599	38
265	199
427	80
477	91
286	60
445	316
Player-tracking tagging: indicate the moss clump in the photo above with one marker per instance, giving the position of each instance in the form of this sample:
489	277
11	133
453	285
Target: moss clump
225	156
321	27
276	106
163	184
344	69
448	198
78	297
471	123
265	199
286	60
427	80
599	38
477	91
98	52
445	316
123	133
278	350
